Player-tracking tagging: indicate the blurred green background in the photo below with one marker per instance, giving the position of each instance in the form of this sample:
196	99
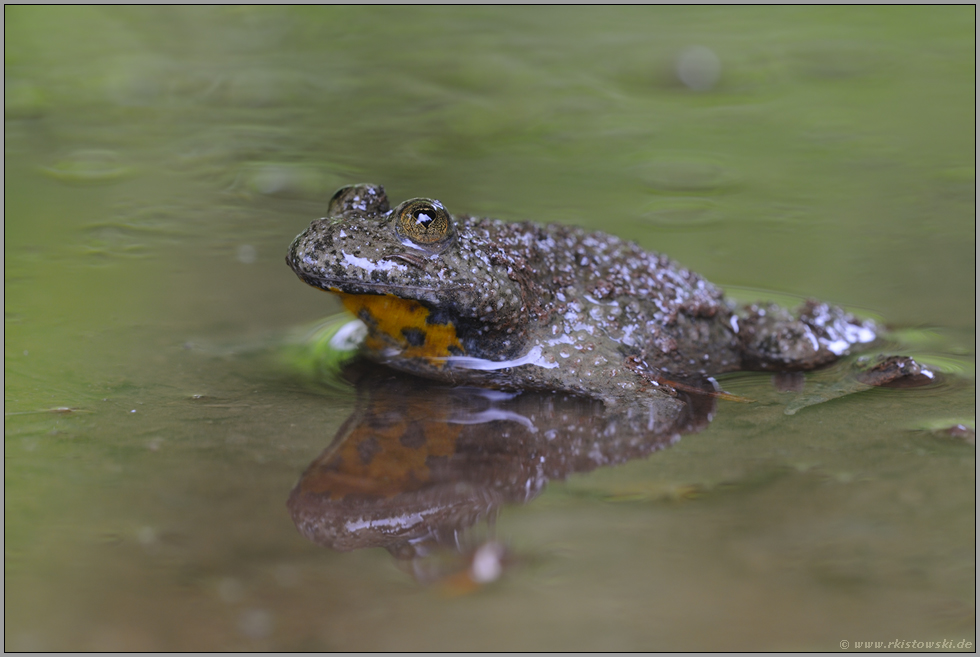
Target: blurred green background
158	161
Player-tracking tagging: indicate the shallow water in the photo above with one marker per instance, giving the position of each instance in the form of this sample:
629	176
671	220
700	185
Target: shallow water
158	162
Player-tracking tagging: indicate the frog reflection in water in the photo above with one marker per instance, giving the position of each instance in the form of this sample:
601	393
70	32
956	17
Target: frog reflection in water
417	464
524	306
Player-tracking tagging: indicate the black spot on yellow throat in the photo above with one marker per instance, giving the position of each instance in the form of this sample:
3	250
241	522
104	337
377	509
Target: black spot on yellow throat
403	324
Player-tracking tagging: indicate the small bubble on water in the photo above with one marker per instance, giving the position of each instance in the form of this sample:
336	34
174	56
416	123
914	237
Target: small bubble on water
230	590
698	68
255	623
246	254
287	576
146	536
272	179
487	563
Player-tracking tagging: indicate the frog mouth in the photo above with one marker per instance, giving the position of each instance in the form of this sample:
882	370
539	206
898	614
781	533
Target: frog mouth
354	286
349	286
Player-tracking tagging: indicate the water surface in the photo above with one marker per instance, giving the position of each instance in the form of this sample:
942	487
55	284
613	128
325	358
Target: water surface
159	161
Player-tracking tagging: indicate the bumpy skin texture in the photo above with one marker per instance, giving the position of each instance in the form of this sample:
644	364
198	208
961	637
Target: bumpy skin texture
547	307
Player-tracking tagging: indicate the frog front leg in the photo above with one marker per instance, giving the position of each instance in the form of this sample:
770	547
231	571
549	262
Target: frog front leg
776	340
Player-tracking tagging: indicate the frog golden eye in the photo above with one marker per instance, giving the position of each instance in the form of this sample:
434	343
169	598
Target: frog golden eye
424	221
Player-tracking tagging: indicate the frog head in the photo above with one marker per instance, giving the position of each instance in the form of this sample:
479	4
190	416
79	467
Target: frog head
426	284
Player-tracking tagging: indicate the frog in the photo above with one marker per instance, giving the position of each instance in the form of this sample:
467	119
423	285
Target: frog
476	301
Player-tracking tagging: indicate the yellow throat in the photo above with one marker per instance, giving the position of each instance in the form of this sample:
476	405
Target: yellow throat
402	323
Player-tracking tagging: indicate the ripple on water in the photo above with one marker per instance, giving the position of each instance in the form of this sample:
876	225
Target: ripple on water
133	232
89	166
681	213
688	174
838	59
960	367
287	179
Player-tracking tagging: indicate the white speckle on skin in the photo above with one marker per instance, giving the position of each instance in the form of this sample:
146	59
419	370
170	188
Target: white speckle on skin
816	343
533	357
368	266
